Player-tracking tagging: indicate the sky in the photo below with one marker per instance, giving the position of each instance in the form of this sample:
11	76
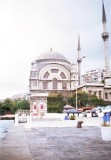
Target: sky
31	27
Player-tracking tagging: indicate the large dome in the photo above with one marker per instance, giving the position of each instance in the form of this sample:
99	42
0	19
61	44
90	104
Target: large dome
51	55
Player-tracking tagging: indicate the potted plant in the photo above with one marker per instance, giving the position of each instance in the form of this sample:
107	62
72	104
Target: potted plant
72	117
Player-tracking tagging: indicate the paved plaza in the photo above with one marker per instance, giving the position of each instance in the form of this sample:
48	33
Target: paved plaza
54	142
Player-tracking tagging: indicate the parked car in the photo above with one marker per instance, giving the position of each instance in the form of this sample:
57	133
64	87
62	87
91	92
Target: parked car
87	108
94	112
97	110
85	113
107	109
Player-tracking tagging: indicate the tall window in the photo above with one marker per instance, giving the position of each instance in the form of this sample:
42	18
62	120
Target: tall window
106	95
54	83
100	94
33	74
64	85
44	85
34	83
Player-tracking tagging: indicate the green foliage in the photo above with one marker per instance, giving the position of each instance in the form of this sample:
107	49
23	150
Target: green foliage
11	106
23	104
2	111
7	105
55	104
85	100
82	99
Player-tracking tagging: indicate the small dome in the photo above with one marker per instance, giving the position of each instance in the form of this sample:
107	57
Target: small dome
51	55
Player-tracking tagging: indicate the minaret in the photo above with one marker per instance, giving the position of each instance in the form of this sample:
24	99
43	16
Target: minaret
105	36
79	60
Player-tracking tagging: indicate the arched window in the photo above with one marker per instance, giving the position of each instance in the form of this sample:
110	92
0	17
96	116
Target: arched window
90	92
46	75
54	83
100	93
63	75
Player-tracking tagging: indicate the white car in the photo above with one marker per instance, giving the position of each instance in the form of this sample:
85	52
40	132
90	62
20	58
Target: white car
107	109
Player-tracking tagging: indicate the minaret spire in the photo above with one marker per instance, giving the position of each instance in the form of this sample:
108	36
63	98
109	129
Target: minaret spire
79	47
103	13
105	36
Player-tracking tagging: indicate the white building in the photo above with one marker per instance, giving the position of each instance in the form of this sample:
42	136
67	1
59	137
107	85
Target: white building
93	76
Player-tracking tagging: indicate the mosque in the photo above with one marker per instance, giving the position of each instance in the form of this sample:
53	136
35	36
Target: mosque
51	73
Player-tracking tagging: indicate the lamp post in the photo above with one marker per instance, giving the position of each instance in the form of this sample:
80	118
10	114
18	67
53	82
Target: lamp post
76	96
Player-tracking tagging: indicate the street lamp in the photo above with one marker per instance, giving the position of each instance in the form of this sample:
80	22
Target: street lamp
76	96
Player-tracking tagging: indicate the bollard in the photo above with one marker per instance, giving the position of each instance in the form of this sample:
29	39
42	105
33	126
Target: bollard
16	120
28	118
79	124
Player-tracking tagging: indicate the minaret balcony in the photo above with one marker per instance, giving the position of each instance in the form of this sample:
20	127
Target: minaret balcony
105	36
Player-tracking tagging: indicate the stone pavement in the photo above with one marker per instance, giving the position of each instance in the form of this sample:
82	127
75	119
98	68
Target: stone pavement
14	146
55	143
68	144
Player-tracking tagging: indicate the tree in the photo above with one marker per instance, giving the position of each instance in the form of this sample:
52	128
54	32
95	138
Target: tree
55	104
2	112
23	105
11	106
84	99
7	105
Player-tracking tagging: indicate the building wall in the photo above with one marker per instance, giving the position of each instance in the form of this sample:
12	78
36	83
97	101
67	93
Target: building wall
99	90
93	76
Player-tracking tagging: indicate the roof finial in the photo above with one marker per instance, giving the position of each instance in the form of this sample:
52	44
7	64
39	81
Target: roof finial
79	47
103	13
51	49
